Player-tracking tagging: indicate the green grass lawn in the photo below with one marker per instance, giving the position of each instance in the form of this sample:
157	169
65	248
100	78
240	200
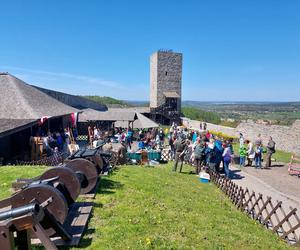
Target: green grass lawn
155	208
9	174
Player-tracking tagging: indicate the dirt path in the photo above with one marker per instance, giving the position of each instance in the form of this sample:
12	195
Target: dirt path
274	182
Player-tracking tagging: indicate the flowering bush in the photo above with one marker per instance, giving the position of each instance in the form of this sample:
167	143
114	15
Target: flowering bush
223	135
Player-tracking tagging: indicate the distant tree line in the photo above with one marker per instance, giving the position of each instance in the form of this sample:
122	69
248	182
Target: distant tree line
201	115
106	100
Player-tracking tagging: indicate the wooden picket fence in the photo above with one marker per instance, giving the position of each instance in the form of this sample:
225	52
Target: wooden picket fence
269	213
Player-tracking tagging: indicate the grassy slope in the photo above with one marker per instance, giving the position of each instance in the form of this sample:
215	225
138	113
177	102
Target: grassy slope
10	173
141	208
144	208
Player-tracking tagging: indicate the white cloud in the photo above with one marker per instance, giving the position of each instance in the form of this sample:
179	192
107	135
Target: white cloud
78	84
55	75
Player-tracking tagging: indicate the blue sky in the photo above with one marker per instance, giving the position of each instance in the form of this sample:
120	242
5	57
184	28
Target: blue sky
232	50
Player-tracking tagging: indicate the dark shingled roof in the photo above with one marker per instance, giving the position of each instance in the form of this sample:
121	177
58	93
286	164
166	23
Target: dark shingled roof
77	102
143	110
18	100
121	117
141	122
9	126
94	115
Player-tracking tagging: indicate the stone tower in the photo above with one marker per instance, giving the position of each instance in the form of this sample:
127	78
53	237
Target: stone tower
165	80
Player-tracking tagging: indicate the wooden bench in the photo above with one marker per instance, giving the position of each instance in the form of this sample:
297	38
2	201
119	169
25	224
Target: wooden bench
294	166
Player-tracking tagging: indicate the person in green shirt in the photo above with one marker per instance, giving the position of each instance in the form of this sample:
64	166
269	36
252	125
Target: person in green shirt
243	154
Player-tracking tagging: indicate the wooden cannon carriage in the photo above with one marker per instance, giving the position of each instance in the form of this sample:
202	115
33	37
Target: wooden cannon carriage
55	192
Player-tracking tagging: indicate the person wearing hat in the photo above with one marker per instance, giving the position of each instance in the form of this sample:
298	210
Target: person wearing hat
180	147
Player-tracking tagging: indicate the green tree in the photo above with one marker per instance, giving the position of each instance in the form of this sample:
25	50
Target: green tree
201	115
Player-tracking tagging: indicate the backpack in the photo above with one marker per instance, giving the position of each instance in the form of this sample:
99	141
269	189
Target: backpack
199	151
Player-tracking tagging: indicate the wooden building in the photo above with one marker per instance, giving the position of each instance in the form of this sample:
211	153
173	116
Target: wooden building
24	112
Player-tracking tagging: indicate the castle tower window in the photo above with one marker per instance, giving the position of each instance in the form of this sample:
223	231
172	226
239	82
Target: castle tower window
166	73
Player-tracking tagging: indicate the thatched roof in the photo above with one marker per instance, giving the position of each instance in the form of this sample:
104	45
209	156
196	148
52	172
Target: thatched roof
141	122
94	115
9	126
18	100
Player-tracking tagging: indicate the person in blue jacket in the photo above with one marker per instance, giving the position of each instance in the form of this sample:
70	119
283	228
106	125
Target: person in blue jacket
219	152
211	155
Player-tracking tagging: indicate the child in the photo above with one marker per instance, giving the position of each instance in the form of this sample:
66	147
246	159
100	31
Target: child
258	156
243	154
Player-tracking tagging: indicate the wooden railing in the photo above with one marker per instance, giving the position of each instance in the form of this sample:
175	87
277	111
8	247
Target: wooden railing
271	214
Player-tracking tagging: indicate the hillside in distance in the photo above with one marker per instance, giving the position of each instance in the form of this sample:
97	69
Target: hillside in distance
108	101
283	113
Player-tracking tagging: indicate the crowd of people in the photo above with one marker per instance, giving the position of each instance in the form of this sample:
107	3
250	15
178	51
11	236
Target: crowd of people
205	150
201	149
254	152
56	142
147	138
198	148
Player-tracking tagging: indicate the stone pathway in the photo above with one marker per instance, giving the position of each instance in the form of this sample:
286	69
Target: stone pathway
274	182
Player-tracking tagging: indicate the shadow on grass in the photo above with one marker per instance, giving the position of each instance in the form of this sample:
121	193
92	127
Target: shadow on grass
107	186
188	172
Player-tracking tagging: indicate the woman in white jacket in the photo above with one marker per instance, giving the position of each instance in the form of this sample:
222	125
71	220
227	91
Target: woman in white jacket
250	152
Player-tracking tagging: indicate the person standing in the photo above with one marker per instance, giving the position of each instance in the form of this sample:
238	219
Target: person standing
211	155
180	147
250	153
129	136
243	154
258	141
270	151
258	155
199	153
226	159
241	139
194	136
161	137
90	135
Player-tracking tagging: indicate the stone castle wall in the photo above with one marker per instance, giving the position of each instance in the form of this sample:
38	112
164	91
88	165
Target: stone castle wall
287	138
165	76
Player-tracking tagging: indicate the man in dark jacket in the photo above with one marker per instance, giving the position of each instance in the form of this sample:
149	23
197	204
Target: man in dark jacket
270	152
180	148
199	153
